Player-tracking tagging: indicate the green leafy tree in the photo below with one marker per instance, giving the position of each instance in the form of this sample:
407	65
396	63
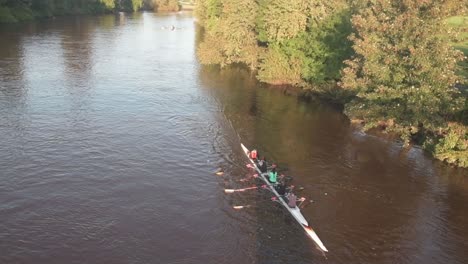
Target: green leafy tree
137	4
453	147
281	20
279	25
6	16
208	12
403	70
311	48
278	66
109	4
29	9
325	46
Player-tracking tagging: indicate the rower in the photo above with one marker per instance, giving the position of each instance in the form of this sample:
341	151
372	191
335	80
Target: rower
281	188
272	175
262	165
292	200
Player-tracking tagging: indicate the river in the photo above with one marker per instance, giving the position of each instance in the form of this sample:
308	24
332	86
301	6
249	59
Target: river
111	132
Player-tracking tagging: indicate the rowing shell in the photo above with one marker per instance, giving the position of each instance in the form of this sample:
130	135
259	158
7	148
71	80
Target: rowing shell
295	212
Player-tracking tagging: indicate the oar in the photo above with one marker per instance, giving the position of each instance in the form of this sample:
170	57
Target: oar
239	190
275	199
301	200
243	189
238	207
248	178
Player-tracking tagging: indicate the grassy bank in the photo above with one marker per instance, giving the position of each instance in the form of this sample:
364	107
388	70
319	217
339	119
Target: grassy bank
460	25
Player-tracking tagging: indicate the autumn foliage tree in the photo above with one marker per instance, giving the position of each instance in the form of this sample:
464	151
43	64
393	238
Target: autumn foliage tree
288	42
229	36
166	5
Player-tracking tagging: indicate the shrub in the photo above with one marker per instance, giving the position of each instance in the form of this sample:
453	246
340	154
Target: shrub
6	16
22	13
453	146
278	68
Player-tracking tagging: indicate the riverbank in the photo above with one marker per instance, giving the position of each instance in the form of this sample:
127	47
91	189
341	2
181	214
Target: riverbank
188	5
448	144
383	74
24	11
20	11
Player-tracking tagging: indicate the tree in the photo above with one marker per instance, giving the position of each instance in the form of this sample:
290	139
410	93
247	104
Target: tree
325	45
279	66
109	4
307	41
281	20
137	4
403	71
166	5
230	37
208	11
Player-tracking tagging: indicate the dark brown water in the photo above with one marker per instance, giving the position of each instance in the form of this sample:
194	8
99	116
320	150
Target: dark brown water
110	134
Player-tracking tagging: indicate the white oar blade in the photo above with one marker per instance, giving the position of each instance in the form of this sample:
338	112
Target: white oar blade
239	190
238	207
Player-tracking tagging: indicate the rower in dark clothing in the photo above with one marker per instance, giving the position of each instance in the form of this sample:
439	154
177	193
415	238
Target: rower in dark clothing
262	165
281	188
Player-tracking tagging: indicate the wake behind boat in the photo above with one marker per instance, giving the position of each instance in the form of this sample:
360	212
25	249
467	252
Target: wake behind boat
295	212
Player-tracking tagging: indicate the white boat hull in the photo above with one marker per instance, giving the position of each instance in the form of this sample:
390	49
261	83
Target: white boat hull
295	212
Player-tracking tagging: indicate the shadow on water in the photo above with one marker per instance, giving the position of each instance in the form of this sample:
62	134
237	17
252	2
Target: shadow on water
260	116
373	201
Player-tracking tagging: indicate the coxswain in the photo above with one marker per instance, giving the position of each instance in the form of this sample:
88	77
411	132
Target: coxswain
253	154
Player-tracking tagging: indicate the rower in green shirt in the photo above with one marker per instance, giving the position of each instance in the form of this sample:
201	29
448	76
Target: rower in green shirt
272	175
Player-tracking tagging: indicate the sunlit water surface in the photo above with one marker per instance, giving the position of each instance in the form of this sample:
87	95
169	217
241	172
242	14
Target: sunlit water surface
110	134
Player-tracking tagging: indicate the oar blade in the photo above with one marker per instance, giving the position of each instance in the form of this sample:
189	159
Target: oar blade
238	207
